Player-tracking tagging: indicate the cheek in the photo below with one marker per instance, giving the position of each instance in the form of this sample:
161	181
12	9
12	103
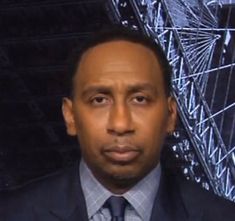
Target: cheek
90	144
88	120
152	122
95	118
152	129
90	132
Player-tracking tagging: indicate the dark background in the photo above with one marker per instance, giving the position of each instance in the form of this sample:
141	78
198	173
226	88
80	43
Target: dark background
36	38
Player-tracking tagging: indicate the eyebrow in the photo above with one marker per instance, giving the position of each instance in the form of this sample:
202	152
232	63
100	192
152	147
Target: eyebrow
104	89
96	89
141	87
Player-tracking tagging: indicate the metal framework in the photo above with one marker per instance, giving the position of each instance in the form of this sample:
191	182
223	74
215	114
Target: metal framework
189	32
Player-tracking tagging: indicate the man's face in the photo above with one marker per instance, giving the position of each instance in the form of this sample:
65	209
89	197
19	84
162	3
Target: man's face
119	112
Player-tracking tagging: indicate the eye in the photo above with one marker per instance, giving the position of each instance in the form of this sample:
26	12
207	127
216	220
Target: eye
140	99
99	100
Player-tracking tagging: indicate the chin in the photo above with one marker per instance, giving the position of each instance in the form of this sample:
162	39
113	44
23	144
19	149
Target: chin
124	178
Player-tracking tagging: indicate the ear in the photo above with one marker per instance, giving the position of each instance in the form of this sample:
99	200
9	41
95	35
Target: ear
172	115
67	110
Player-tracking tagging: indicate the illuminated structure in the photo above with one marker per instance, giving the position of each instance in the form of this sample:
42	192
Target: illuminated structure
198	40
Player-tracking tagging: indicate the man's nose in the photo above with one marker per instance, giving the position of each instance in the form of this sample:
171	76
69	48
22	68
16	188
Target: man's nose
120	121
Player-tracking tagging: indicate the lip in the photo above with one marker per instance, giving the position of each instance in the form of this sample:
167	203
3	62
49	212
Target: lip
121	153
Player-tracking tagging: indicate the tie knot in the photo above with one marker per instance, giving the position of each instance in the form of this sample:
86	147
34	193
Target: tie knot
117	205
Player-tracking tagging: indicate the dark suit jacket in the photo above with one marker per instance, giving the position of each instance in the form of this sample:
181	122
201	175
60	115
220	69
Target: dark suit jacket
59	197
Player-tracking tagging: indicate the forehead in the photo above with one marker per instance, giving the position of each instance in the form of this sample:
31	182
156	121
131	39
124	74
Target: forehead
116	48
118	59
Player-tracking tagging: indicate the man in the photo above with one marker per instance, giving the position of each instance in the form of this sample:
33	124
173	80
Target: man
121	109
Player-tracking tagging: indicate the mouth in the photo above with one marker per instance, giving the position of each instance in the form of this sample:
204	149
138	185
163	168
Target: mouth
121	154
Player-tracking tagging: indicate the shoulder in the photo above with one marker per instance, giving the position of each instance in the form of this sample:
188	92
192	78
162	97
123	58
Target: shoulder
212	207
44	191
47	182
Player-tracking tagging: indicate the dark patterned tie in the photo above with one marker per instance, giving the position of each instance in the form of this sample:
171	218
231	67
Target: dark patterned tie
116	205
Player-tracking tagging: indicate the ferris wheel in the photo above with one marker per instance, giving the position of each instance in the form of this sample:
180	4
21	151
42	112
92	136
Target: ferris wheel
198	37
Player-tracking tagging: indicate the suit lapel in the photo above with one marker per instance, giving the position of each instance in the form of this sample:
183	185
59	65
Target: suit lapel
80	211
67	200
169	204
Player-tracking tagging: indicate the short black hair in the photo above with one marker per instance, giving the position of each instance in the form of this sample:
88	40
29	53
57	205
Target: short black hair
116	33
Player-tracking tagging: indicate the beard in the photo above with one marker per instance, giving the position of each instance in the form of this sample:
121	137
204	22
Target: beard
122	180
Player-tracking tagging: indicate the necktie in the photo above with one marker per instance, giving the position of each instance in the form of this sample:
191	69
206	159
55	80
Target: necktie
116	205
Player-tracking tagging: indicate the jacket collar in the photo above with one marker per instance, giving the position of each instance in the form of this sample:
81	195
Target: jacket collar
170	203
66	200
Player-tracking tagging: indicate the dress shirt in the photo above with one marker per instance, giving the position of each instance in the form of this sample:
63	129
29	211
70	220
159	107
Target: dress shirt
140	197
